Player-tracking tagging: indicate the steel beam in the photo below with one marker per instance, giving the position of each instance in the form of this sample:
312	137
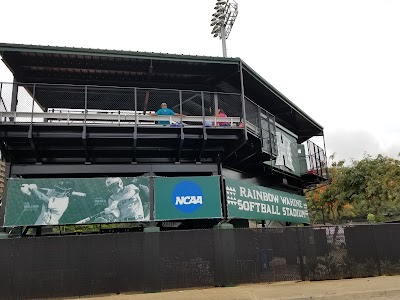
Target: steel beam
4	199
241	144
180	145
134	147
244	159
85	146
107	169
33	144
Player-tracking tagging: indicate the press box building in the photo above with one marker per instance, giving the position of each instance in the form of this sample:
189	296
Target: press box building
86	113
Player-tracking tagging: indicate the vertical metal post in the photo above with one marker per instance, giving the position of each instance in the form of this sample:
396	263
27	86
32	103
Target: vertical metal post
203	111
1	98
222	188
300	252
151	196
319	167
326	159
223	38
243	100
180	104
271	137
260	125
376	254
33	100
182	135
14	99
86	90
215	104
4	200
136	113
14	96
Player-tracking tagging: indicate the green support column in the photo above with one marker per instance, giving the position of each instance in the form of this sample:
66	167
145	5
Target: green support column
224	255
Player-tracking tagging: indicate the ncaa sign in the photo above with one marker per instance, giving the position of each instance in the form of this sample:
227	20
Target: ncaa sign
187	196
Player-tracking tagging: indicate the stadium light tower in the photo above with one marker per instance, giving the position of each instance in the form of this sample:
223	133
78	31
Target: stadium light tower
223	19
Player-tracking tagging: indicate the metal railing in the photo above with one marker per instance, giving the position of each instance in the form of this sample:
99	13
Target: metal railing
261	123
44	103
132	106
316	161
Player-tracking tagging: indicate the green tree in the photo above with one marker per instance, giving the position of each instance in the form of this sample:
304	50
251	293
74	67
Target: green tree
368	186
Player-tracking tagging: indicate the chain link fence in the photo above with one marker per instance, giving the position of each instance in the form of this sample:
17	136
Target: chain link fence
116	105
252	117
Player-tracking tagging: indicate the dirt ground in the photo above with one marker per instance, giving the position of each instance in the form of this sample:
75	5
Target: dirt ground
383	287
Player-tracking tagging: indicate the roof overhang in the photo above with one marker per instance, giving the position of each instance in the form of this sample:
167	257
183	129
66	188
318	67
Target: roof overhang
285	111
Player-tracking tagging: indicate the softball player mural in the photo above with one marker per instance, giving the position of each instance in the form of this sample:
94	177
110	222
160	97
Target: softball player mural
54	200
124	203
77	201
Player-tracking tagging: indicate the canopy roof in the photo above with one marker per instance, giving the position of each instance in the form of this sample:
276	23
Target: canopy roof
82	66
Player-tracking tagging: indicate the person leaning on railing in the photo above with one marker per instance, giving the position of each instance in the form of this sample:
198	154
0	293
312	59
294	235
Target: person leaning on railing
221	113
164	111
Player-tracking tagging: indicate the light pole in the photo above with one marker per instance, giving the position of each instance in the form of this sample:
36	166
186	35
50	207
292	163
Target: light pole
223	19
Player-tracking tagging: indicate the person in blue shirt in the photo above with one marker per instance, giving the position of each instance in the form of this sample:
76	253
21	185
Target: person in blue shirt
165	111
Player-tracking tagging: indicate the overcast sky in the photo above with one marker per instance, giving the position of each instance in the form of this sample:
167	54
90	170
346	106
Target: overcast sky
339	61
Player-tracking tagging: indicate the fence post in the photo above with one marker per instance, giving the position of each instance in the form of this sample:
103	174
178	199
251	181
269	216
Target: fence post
224	255
376	254
151	260
300	252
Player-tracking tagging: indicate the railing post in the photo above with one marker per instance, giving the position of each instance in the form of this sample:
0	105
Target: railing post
215	103
326	159
260	125
180	105
272	136
136	112
203	111
14	100
33	100
1	98
14	96
319	168
86	91
243	101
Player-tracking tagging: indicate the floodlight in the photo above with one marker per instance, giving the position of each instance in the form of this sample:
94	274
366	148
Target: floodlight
215	29
223	18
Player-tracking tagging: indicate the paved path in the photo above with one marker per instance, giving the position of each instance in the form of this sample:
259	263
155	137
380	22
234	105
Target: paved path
379	288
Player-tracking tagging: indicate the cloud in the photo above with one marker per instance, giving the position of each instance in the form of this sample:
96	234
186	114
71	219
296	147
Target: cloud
355	144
